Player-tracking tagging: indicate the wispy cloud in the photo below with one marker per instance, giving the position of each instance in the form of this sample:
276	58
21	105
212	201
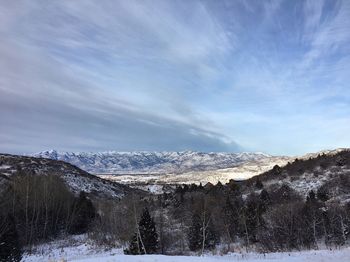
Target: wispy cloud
174	75
102	75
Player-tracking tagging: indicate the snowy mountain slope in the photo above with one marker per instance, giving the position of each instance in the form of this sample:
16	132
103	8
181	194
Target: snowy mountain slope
76	179
328	171
151	162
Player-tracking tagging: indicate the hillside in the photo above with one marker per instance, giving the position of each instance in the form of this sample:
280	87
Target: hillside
327	172
77	179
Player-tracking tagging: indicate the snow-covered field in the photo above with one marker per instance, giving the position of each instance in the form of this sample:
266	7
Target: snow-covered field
241	172
315	256
86	253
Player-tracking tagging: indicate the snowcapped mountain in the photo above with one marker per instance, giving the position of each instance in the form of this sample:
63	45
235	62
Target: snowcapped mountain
155	169
151	162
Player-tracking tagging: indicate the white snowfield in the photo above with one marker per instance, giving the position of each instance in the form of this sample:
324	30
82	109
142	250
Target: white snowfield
241	172
314	256
81	254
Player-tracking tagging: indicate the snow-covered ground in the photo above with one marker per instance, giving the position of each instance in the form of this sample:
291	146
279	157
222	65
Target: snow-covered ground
308	256
241	172
87	253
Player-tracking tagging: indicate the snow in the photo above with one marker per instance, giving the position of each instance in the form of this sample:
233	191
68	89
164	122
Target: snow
240	172
76	254
113	162
76	179
310	256
161	168
77	248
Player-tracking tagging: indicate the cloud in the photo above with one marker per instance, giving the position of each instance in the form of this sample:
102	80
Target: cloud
174	75
327	31
78	76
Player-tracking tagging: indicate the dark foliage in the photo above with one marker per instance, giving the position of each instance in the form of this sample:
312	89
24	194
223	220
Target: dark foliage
202	233
259	184
195	233
84	214
145	240
43	208
10	249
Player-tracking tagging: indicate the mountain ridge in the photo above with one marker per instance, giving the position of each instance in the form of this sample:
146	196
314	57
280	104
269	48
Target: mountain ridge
114	162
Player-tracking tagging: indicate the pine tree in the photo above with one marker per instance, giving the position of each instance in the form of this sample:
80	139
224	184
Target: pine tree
265	198
259	184
10	249
231	219
195	233
84	214
323	193
311	197
148	232
145	240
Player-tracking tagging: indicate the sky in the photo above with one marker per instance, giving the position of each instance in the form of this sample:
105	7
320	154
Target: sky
229	76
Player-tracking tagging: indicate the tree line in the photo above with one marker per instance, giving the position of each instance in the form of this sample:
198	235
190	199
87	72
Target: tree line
38	208
197	218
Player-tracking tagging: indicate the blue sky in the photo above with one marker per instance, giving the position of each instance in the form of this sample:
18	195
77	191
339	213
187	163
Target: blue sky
241	75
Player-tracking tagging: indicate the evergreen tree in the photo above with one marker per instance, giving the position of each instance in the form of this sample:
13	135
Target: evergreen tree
252	217
259	184
231	216
310	225
234	188
145	240
276	170
323	193
10	249
193	187
265	198
311	197
195	233
84	214
148	232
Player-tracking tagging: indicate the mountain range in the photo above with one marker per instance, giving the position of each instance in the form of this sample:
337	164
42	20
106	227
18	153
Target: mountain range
153	170
113	162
